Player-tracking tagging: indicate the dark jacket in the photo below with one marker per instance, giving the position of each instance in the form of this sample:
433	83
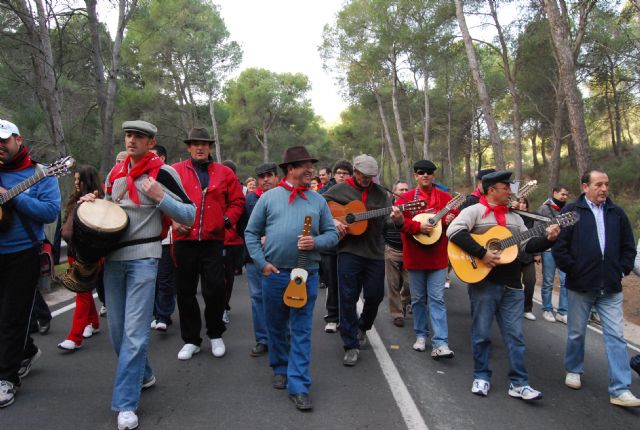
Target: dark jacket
577	250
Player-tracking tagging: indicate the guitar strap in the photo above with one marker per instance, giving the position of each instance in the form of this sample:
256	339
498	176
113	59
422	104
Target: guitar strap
530	215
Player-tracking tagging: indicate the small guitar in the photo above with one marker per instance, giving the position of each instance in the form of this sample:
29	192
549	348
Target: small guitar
435	221
498	238
295	296
525	190
58	168
355	215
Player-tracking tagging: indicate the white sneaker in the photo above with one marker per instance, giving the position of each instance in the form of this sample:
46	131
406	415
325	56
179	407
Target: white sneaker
530	316
331	327
68	345
161	326
89	331
572	380
561	318
149	382
127	420
154	324
7	393
225	317
524	392
480	387
187	351
217	347
548	316
103	311
626	398
441	352
421	344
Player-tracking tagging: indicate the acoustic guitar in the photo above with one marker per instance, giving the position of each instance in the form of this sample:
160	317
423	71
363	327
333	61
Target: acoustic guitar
435	221
295	296
60	167
498	238
355	214
524	190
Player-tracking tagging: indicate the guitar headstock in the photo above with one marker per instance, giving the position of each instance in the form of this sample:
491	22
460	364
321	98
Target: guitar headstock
456	201
414	205
306	228
60	167
527	189
567	219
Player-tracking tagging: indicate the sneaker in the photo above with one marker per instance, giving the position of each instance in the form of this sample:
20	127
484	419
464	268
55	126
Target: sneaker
530	316
25	365
68	345
408	310
103	311
442	351
572	380
626	399
351	357
447	285
154	324
398	322
127	420
420	344
187	351
362	339
480	387
259	350
217	347
225	317
43	326
331	327
561	318
524	392
548	316
89	331
161	326
149	382
7	393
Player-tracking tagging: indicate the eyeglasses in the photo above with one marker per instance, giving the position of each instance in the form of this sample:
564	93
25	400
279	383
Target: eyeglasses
424	172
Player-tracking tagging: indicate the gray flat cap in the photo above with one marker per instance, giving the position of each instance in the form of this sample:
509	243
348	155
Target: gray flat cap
265	168
140	126
366	164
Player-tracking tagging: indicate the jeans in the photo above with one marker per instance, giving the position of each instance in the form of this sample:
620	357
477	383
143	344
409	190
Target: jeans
489	300
130	289
254	279
165	301
548	273
289	349
356	274
609	307
427	289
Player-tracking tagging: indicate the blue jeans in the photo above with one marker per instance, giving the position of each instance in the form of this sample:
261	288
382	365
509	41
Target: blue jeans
254	279
489	300
129	289
291	358
356	274
609	307
427	289
548	273
165	302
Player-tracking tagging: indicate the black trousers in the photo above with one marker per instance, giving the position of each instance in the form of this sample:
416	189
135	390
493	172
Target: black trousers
529	282
233	260
200	261
19	273
329	275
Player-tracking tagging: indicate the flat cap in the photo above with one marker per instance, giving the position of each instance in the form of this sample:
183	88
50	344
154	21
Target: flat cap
490	179
425	165
483	172
140	126
366	164
265	168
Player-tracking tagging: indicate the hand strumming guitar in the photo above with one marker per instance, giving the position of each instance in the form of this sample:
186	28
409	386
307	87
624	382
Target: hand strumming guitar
491	258
426	227
552	232
341	227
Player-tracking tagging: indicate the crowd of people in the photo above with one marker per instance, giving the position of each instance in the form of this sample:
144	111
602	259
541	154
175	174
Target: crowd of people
196	223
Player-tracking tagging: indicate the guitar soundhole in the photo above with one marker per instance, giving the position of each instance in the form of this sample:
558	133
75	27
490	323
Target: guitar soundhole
298	280
494	245
350	218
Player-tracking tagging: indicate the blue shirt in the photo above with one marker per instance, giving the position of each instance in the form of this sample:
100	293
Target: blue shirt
598	213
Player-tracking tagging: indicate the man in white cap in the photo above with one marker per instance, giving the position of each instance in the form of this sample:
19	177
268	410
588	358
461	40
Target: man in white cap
360	258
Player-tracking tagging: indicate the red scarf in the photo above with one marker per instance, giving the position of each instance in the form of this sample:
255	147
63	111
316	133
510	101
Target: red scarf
498	210
149	164
476	193
351	181
21	161
299	190
258	191
431	199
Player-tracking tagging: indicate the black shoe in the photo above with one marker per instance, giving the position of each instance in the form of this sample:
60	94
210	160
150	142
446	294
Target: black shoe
302	401
362	340
44	326
398	322
351	357
635	363
279	382
25	365
259	350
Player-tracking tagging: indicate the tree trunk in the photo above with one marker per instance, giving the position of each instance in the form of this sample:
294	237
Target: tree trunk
543	149
534	150
482	90
614	147
214	126
575	108
616	112
396	114
427	116
387	135
558	120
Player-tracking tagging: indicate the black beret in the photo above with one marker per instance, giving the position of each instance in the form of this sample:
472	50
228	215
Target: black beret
425	165
490	179
265	168
483	172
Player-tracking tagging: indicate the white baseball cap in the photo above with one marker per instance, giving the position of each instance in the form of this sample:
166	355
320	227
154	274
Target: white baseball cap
7	129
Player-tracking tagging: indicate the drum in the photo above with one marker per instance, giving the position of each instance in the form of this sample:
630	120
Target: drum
97	228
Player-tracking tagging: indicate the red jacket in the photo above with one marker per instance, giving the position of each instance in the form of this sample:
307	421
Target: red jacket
416	256
223	196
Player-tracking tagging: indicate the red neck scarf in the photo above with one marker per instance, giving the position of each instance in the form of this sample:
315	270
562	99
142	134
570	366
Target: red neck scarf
351	181
149	164
476	193
498	210
258	191
21	161
299	190
431	198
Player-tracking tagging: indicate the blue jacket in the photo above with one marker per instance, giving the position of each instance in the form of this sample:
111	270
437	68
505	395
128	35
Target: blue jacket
577	250
38	205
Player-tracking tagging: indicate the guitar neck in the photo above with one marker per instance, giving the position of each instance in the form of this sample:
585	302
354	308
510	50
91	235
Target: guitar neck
303	257
375	213
22	186
519	237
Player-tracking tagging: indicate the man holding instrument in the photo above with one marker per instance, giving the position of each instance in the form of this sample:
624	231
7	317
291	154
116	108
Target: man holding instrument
19	261
273	239
500	294
145	188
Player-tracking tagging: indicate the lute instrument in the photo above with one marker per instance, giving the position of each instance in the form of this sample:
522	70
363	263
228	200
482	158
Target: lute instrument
295	295
435	221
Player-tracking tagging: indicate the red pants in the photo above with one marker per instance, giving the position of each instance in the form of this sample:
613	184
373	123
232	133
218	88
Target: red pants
84	315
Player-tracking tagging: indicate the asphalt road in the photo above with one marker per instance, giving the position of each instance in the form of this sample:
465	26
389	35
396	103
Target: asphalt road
73	390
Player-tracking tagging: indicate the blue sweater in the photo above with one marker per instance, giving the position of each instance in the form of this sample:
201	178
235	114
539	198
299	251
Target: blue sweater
38	205
282	223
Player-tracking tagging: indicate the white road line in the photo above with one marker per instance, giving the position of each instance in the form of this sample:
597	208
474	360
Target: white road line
408	408
67	308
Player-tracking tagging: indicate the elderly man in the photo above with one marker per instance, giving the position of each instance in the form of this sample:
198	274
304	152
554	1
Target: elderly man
595	254
19	246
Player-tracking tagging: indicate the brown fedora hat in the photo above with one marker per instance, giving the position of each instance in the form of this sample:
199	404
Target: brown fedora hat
296	154
199	134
